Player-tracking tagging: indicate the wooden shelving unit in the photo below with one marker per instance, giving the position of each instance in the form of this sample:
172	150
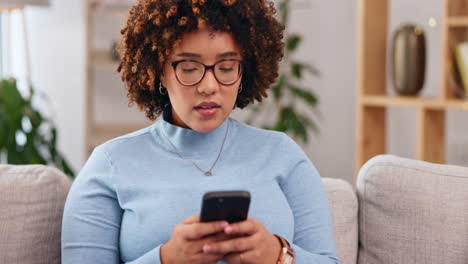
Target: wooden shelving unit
100	64
373	100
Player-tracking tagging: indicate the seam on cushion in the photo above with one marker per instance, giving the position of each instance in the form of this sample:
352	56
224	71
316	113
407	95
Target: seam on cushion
394	165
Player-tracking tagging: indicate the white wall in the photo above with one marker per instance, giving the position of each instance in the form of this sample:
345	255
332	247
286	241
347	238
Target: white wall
59	68
56	36
329	29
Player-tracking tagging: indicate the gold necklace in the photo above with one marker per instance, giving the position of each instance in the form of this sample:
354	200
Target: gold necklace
208	172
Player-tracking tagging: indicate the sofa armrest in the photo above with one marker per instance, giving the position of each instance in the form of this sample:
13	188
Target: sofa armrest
32	198
344	210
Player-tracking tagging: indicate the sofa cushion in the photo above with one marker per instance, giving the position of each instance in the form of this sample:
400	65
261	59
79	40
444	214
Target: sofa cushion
31	205
412	212
344	210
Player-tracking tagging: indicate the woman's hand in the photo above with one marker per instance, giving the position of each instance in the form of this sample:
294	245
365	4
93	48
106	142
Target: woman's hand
187	240
254	244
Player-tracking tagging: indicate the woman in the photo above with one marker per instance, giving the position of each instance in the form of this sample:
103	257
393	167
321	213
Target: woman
138	197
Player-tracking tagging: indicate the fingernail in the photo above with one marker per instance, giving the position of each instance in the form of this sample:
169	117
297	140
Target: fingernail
206	248
228	229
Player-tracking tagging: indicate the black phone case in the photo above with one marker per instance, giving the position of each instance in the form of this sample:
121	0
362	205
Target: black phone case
232	206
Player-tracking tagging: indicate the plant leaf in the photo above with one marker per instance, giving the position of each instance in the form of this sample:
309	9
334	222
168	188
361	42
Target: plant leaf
303	94
3	129
292	42
308	67
67	168
278	87
15	155
13	103
280	124
13	109
296	69
12	98
295	124
35	117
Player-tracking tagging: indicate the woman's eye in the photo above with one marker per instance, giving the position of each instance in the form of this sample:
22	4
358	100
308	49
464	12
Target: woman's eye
189	70
226	69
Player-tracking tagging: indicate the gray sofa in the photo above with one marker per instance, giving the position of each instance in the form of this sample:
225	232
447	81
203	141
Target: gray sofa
401	211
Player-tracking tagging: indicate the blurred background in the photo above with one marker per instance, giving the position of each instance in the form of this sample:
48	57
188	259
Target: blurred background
71	62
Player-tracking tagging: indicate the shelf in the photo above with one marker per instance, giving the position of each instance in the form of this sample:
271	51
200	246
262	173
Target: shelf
429	103
104	132
458	104
372	99
457	21
455	7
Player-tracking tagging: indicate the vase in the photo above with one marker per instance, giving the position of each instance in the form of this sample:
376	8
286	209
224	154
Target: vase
408	60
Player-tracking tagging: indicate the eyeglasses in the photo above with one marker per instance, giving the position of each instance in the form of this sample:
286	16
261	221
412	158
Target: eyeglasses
190	72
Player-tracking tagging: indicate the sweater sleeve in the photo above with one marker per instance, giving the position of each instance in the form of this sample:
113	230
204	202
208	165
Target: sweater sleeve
313	230
92	217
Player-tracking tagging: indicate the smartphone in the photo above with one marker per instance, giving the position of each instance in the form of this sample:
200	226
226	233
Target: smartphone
232	206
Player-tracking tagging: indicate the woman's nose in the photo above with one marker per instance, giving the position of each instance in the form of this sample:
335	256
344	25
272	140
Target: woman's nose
208	85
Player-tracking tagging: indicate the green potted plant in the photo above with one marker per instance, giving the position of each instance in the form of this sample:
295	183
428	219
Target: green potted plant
286	92
26	136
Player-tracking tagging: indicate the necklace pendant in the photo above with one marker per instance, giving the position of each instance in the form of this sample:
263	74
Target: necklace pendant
208	173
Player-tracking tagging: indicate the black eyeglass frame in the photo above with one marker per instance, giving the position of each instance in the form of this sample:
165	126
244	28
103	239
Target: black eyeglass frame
208	67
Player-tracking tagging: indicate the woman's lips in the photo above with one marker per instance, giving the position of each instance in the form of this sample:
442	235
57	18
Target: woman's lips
207	111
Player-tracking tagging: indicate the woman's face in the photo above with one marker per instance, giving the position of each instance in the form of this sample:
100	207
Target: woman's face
204	106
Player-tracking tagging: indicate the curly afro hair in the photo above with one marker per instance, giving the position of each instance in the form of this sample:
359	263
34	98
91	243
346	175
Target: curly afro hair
155	27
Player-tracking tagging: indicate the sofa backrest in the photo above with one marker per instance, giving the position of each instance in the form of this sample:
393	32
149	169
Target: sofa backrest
412	212
32	198
409	212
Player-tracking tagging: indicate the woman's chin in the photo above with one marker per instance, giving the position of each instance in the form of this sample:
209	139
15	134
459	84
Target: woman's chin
206	126
204	129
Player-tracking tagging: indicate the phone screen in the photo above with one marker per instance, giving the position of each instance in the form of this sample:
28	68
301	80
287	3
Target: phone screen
232	206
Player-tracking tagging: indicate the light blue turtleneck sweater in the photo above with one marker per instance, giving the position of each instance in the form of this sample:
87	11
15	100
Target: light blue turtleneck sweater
134	189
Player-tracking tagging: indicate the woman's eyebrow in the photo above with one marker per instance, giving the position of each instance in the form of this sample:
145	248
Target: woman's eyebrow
196	55
227	54
188	54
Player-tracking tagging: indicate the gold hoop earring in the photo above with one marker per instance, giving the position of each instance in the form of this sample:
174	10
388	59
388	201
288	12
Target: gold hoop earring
240	88
162	90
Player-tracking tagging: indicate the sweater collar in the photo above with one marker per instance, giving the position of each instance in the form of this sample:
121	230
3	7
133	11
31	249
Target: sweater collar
189	142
